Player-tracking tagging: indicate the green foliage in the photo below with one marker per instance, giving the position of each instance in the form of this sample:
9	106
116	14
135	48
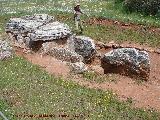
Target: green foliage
118	1
4	108
92	76
146	7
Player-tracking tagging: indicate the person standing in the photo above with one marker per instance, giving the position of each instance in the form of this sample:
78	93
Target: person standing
77	19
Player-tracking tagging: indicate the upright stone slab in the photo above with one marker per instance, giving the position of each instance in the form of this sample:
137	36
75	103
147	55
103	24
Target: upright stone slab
85	46
5	50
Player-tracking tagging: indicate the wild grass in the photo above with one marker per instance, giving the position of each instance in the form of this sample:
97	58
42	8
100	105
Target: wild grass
98	8
94	77
28	90
111	32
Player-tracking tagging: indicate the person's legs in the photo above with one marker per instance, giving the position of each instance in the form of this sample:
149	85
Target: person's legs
81	26
77	24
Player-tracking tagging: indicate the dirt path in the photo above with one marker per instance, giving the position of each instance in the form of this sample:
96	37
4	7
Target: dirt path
123	25
146	94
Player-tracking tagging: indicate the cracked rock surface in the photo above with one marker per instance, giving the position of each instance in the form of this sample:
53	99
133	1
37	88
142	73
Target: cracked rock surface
128	61
38	27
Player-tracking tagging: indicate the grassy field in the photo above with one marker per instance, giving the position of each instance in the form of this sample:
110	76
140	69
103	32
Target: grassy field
98	8
112	32
28	90
93	8
25	89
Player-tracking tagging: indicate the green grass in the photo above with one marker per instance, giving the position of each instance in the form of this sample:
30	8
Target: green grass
103	8
94	77
114	33
98	8
26	89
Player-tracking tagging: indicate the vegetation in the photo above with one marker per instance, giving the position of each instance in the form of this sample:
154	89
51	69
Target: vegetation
28	90
97	8
111	32
94	77
146	7
105	9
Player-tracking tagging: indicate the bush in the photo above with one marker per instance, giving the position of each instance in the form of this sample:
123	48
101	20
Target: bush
118	1
147	7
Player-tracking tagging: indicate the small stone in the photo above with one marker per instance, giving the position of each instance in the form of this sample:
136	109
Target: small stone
78	67
100	44
157	51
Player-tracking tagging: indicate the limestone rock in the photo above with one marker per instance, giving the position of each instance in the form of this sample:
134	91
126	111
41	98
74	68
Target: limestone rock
5	50
61	53
51	31
27	23
128	61
38	27
85	46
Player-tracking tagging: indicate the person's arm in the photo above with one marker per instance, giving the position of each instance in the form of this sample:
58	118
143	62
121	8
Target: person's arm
80	11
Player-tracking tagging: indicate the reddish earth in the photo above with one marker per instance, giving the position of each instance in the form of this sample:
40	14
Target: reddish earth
101	21
50	64
145	94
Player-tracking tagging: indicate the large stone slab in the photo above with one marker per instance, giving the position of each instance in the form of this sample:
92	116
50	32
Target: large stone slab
128	61
39	27
51	31
27	23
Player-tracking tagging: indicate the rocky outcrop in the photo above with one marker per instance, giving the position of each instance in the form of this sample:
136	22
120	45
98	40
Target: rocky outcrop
128	61
81	45
27	23
53	38
5	50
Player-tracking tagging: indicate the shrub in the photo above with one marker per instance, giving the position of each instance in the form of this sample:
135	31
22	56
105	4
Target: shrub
118	1
147	7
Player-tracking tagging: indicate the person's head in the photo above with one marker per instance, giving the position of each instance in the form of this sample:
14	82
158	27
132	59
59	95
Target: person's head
77	5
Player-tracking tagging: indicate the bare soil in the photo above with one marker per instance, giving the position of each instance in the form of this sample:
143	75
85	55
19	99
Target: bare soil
48	63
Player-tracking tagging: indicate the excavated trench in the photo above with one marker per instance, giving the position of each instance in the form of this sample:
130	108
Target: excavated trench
144	95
